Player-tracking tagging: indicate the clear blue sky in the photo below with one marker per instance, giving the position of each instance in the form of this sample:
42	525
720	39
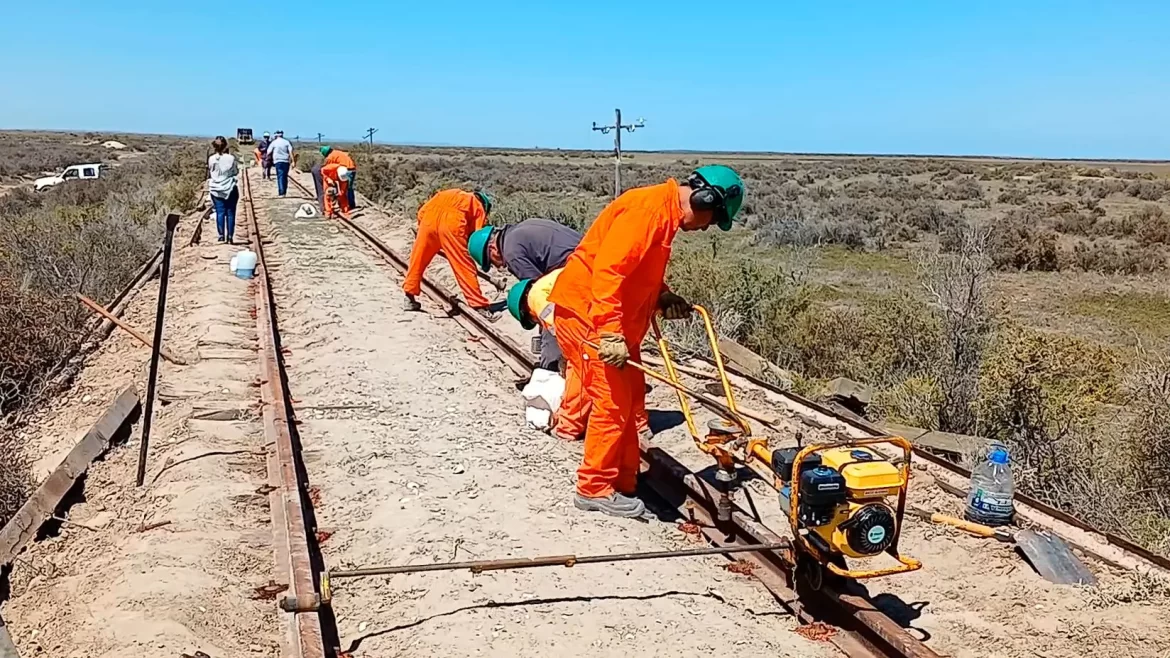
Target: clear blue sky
1030	78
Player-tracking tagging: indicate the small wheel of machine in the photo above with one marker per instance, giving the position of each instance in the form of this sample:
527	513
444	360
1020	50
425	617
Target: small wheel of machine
811	572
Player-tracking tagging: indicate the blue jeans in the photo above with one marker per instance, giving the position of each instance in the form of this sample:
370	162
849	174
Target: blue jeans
352	200
225	213
281	177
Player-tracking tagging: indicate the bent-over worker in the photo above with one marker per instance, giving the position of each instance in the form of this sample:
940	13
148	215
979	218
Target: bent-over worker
337	156
607	295
528	250
445	222
335	179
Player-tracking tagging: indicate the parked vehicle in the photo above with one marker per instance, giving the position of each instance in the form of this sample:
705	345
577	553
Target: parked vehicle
244	136
73	172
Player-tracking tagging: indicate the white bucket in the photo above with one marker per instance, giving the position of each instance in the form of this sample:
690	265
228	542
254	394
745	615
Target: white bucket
244	264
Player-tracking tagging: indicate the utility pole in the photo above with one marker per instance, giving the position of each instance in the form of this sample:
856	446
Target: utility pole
319	136
370	138
617	129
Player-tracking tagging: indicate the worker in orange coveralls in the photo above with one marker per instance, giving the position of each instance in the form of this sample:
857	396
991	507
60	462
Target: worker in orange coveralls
445	222
607	295
335	180
337	156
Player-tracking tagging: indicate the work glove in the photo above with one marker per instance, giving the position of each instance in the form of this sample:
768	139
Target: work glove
673	306
612	350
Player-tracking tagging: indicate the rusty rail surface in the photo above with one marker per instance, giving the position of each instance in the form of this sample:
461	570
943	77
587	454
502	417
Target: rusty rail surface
863	630
289	494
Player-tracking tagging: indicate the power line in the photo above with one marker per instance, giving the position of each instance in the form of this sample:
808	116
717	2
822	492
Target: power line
617	129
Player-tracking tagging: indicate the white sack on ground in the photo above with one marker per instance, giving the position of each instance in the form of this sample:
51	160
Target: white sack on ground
542	397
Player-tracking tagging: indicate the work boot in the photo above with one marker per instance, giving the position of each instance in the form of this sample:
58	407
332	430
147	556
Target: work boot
487	314
615	504
411	304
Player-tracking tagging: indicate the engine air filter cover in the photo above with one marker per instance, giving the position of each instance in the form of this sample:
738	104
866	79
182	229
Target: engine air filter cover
871	529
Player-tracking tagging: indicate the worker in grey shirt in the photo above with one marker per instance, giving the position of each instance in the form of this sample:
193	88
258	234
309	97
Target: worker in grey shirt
529	250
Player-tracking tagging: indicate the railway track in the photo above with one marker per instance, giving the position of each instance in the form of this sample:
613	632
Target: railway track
858	628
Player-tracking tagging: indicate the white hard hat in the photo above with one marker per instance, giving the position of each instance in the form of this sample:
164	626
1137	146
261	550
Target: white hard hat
342	172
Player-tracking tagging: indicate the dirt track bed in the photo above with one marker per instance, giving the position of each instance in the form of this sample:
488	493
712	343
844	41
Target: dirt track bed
102	587
429	461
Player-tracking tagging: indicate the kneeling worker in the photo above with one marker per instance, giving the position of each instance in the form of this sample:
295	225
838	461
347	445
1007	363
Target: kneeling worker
607	295
339	157
445	222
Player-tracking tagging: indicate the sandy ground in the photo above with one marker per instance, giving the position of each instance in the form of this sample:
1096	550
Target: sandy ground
415	438
110	590
974	598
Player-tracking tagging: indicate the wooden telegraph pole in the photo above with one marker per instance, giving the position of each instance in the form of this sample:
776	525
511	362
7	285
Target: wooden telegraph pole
370	139
617	129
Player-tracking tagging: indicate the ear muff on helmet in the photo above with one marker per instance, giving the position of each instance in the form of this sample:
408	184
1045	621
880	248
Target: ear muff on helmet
703	196
724	196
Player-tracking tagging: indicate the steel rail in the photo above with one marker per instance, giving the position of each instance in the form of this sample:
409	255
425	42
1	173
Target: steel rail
515	357
864	630
288	499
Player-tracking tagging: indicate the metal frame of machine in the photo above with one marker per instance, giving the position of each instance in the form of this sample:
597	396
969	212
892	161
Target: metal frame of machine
730	442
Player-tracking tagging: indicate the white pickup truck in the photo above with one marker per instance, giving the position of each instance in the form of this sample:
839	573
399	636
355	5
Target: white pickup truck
73	172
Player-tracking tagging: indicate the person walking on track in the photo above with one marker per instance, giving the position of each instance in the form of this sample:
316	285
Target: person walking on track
339	157
223	186
607	295
262	159
445	222
283	158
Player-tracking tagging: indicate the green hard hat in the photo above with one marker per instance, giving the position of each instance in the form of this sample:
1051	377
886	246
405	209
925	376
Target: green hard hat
477	244
326	149
730	187
486	200
516	295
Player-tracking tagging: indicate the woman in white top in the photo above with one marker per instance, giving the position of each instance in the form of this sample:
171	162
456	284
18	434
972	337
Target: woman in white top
225	193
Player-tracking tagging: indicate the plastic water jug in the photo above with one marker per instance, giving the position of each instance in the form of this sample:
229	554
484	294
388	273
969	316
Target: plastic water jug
989	501
245	264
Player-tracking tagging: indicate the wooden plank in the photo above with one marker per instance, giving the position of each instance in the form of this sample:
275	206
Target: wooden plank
750	361
40	506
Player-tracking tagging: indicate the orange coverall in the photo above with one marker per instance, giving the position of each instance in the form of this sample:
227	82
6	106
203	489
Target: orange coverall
445	222
611	285
340	158
329	177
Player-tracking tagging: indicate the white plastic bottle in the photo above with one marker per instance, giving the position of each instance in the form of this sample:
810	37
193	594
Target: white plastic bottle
245	264
990	498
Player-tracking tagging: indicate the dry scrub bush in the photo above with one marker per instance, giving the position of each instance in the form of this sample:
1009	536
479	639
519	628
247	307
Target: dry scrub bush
744	294
31	155
1146	190
1042	395
959	288
1016	242
82	236
1147	439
